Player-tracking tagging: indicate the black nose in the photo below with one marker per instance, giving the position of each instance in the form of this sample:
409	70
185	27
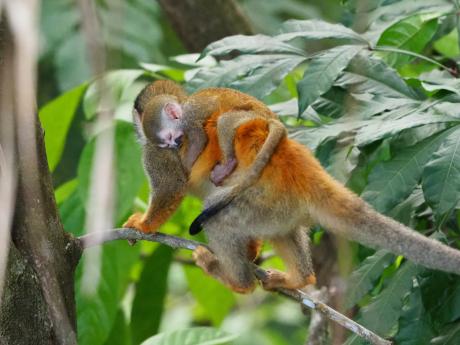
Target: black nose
179	140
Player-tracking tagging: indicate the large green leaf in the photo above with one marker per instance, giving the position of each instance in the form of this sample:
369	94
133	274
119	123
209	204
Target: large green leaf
191	336
393	181
412	34
383	312
366	74
441	177
151	289
363	279
415	324
321	73
255	74
129	174
255	44
316	30
214	297
56	117
391	124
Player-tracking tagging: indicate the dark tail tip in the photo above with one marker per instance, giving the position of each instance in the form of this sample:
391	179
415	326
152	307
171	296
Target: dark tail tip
197	224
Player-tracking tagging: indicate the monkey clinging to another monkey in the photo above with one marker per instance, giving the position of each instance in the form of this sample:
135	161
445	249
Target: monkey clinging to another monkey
274	192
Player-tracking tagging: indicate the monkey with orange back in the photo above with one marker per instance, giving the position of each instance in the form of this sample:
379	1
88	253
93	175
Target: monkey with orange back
165	116
292	193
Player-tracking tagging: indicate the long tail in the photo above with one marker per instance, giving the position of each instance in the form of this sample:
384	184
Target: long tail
276	132
357	221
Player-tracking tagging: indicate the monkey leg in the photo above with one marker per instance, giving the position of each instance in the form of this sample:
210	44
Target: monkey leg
228	262
227	125
294	250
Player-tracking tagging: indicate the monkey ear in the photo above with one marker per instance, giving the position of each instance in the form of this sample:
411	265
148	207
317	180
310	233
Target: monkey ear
173	110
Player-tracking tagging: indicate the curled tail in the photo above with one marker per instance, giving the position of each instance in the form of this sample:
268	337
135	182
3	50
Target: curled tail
366	226
276	133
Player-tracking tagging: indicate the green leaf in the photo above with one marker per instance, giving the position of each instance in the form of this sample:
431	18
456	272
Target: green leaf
114	83
412	34
313	137
450	335
128	168
440	80
321	73
363	279
56	117
366	74
393	181
96	313
65	190
254	44
191	336
383	312
151	289
441	177
214	297
311	30
120	333
415	323
448	45
392	123
450	307
257	75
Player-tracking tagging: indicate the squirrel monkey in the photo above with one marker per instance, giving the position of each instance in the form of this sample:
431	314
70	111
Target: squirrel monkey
293	192
164	116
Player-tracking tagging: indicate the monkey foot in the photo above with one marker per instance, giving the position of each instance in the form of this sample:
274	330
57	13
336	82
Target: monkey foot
204	259
221	171
276	279
135	221
273	279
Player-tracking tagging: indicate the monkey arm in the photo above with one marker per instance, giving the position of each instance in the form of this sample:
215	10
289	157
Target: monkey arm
167	189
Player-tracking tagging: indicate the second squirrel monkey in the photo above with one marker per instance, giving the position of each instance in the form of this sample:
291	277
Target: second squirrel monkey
165	116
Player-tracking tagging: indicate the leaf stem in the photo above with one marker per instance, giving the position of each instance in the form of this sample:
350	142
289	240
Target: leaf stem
408	52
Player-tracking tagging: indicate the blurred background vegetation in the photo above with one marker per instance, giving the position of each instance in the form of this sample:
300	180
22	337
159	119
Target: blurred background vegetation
362	124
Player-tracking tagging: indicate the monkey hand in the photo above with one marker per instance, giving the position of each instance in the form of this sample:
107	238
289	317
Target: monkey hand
221	171
137	221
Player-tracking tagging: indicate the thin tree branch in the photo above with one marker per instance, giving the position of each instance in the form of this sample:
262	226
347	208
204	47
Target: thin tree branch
305	300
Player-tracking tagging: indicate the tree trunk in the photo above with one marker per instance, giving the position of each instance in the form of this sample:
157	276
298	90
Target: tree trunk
37	306
200	22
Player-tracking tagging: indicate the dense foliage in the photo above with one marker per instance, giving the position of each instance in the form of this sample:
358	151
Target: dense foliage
377	100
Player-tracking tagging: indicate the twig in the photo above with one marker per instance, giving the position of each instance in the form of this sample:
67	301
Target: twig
318	330
304	299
